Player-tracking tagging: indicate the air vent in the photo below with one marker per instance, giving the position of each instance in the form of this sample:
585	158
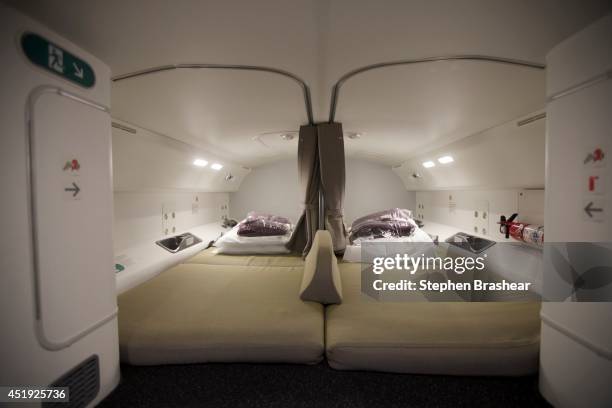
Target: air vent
277	139
123	127
531	119
83	383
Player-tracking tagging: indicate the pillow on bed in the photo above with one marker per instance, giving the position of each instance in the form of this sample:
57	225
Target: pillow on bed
392	223
353	251
262	225
321	280
232	243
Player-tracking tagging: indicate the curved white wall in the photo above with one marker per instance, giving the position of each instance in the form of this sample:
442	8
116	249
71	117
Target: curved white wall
274	189
373	187
271	188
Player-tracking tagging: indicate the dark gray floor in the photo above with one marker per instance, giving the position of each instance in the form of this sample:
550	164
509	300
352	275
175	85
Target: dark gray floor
259	385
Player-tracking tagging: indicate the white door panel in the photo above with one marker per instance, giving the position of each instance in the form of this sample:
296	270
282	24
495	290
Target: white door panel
72	205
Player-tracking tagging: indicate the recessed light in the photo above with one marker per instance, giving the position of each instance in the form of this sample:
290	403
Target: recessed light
200	162
216	166
428	164
354	135
446	159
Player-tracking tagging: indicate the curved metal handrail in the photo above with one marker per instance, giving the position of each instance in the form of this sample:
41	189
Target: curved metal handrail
350	74
41	336
161	68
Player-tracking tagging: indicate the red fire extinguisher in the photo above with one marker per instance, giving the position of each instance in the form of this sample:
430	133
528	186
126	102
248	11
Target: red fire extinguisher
528	233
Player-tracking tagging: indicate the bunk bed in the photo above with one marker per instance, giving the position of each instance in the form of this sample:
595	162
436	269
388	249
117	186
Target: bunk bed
251	308
222	308
451	338
216	307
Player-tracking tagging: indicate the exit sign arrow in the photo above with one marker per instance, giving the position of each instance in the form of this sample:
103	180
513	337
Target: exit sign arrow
75	189
589	209
78	71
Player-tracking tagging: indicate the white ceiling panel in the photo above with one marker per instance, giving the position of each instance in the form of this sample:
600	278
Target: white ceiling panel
364	32
400	110
403	110
229	113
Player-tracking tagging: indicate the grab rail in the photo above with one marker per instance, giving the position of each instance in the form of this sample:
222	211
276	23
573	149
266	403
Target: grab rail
336	88
161	68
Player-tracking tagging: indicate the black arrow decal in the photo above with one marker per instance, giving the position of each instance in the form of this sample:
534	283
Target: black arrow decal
589	209
75	189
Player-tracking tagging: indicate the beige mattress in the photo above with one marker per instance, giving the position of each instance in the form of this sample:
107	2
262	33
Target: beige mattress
209	257
222	308
455	338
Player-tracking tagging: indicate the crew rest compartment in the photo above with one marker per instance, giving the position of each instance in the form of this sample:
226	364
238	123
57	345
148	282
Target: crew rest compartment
313	203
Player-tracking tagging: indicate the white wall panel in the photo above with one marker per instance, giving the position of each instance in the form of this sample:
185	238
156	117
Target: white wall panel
504	157
576	337
138	215
465	209
373	187
274	189
145	161
24	360
573	61
72	231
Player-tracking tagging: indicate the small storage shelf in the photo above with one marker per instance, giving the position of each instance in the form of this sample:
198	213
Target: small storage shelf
178	242
145	261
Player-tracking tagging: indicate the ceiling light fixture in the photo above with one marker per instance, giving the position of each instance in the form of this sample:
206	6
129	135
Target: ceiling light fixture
428	164
354	135
200	162
446	159
216	166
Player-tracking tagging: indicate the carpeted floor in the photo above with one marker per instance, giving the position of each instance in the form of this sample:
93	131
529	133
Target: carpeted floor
259	385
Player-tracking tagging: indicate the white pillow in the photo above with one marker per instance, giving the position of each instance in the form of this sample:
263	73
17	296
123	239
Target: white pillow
232	243
353	252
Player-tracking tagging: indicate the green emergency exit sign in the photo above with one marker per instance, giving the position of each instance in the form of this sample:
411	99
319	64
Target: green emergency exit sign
57	60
